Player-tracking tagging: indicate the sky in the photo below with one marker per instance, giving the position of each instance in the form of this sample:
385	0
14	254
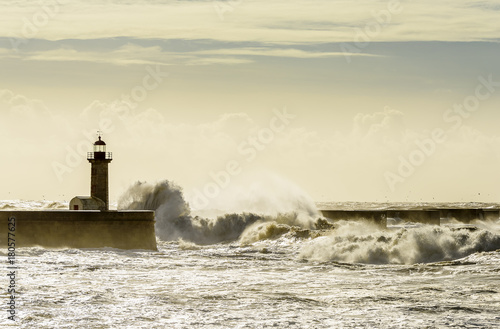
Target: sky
345	101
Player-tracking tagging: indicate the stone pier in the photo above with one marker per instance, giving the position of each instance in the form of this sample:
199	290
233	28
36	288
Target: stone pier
79	229
468	215
425	216
416	216
375	216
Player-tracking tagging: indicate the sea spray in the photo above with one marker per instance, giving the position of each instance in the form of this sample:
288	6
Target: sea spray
56	205
166	199
265	193
358	242
174	219
489	225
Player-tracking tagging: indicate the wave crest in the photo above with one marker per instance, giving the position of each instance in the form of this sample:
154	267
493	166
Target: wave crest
358	242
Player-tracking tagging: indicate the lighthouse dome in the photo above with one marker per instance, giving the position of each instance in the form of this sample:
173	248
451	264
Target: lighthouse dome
99	142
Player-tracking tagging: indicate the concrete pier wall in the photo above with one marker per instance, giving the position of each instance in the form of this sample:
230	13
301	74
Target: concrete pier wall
469	215
429	216
80	229
462	215
416	216
491	214
378	217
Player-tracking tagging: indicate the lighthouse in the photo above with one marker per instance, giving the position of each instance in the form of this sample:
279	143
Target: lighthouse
99	187
99	160
88	223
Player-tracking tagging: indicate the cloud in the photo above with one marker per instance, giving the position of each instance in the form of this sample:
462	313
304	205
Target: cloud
347	164
388	124
126	55
298	22
129	54
28	123
217	60
249	29
149	126
19	107
132	54
278	52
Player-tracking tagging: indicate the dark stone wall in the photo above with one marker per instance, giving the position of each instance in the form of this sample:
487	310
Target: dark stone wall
378	217
468	215
80	229
416	216
430	216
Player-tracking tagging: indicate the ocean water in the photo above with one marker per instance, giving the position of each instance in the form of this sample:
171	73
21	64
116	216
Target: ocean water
263	270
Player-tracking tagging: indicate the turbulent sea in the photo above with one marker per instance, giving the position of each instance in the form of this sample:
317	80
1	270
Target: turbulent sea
287	269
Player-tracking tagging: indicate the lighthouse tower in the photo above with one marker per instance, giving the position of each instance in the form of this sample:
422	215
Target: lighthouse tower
99	172
99	193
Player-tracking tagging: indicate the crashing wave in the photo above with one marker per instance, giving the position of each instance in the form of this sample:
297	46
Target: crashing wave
174	220
358	242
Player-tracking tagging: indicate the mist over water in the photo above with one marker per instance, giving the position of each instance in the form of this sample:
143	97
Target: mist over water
33	205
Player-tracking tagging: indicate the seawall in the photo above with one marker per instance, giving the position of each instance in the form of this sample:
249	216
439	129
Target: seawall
378	217
426	216
469	215
432	217
79	229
